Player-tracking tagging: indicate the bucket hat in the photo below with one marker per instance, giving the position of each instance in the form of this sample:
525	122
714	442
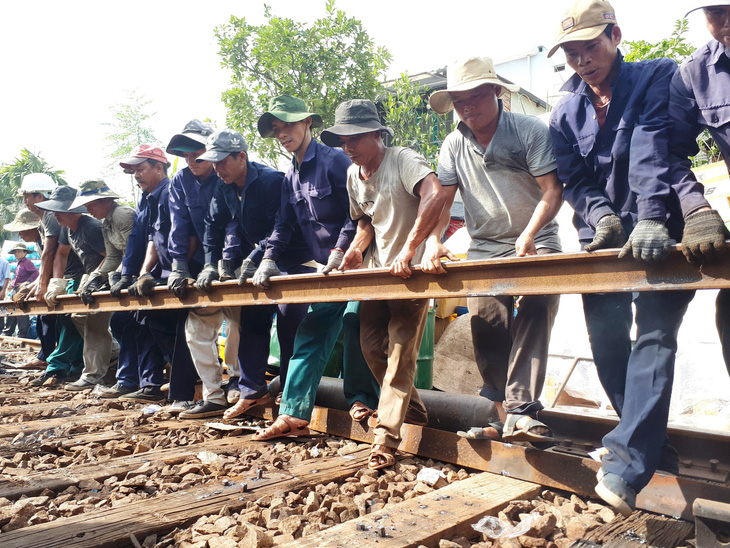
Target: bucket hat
20	246
287	109
95	189
191	139
353	117
584	20
221	144
464	75
61	201
25	219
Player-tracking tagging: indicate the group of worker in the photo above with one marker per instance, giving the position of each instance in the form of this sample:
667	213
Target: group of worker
617	149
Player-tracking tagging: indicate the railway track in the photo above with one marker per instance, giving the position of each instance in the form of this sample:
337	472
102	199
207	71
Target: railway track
102	446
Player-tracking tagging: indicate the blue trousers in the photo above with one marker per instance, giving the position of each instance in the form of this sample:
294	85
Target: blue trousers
141	361
315	339
253	349
722	320
167	329
638	381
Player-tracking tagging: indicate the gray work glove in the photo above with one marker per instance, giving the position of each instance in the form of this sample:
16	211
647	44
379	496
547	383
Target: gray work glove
98	281
119	282
609	234
704	236
179	279
264	272
225	270
207	276
143	286
649	241
333	261
248	269
56	287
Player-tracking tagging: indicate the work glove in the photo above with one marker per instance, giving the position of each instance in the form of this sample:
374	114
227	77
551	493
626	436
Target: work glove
179	279
207	276
609	234
97	281
704	236
143	286
225	270
119	282
334	261
264	272
21	294
649	241
248	269
56	287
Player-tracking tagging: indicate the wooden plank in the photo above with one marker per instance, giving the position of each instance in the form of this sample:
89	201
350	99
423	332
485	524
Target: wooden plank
111	527
643	530
555	273
445	513
102	418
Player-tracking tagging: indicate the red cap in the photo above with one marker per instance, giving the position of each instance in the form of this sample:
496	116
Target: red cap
142	153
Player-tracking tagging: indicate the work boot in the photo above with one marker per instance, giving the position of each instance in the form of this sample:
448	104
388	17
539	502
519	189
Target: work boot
116	391
79	385
148	394
48	378
203	410
178	406
614	490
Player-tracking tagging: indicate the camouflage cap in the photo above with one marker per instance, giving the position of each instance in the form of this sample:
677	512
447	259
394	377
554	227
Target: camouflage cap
92	190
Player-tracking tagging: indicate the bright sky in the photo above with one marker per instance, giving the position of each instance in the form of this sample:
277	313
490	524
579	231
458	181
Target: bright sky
65	63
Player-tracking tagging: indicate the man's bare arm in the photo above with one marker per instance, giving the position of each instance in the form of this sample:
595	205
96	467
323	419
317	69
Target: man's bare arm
545	211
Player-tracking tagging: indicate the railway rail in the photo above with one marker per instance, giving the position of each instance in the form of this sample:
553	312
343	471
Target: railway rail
559	273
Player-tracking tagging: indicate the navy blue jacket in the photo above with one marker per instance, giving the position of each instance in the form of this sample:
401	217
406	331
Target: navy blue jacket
189	203
314	199
240	220
699	98
624	167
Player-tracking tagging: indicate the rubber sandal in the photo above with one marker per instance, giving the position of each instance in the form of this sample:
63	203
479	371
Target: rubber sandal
278	430
381	456
512	432
244	405
279	396
359	411
478	432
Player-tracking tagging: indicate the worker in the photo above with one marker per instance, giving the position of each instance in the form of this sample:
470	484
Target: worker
314	197
610	134
503	165
698	99
396	200
191	191
25	273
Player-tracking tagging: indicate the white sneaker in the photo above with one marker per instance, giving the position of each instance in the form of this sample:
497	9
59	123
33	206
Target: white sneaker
178	406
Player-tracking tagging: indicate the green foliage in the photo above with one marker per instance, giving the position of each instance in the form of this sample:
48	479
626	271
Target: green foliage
129	128
325	63
415	125
675	47
11	177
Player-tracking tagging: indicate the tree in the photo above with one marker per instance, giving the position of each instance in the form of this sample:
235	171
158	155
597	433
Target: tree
130	127
405	109
676	47
11	177
325	63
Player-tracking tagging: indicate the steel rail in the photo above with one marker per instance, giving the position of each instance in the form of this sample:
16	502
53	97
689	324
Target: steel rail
557	273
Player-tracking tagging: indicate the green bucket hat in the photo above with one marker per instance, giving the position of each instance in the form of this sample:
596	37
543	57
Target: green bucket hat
287	109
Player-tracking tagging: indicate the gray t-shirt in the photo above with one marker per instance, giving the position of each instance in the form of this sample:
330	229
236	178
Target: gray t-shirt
498	184
87	241
49	228
390	200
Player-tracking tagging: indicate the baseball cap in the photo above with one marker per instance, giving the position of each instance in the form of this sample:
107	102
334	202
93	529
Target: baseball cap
191	139
708	4
142	153
584	20
221	144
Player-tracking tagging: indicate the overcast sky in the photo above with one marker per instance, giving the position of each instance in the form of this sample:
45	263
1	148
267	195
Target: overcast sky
66	63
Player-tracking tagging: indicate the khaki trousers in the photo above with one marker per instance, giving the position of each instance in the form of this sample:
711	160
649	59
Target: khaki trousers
390	336
94	329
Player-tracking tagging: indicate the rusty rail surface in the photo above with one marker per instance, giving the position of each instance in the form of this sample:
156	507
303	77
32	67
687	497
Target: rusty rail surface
557	273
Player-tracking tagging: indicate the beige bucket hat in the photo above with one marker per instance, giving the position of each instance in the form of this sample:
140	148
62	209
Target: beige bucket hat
584	20
25	219
464	75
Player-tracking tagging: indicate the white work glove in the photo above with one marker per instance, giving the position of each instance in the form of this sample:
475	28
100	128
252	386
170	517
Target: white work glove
56	287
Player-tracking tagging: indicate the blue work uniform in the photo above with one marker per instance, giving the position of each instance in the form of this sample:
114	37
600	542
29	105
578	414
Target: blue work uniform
699	98
314	198
623	168
238	222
